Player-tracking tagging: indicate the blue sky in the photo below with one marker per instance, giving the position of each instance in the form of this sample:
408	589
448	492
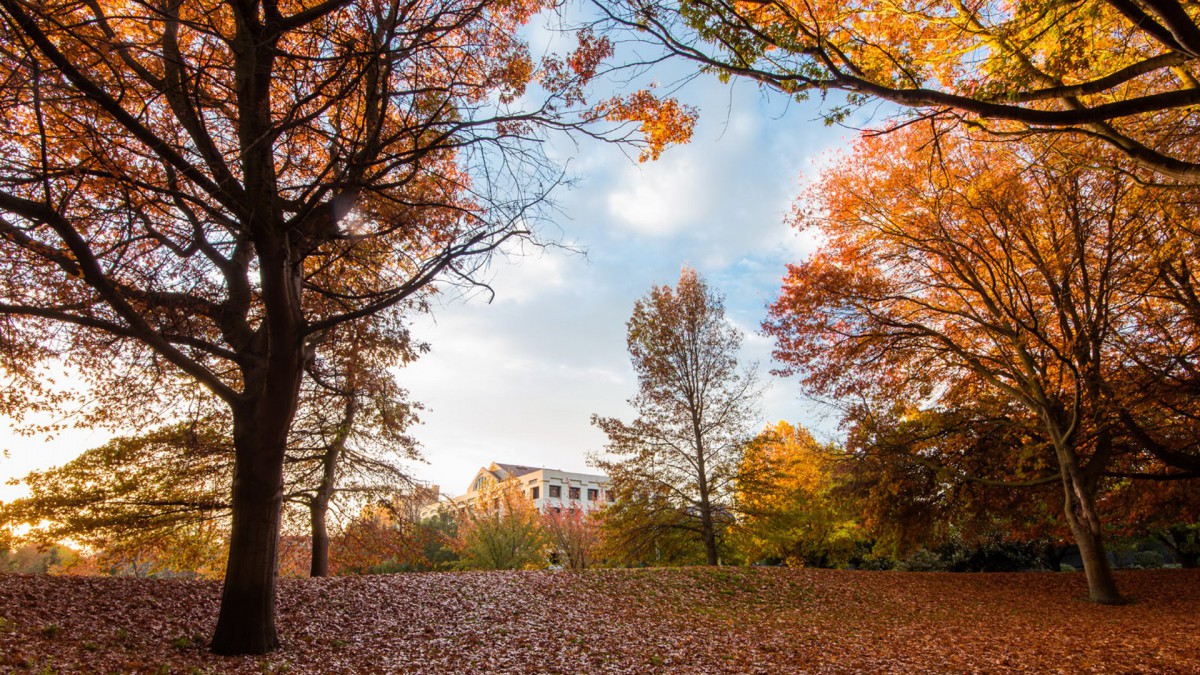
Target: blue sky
517	379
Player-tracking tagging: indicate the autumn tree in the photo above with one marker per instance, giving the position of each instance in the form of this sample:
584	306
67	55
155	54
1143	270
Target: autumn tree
501	530
372	540
575	536
159	501
194	195
350	431
787	507
1119	71
1011	265
162	497
642	528
680	456
973	469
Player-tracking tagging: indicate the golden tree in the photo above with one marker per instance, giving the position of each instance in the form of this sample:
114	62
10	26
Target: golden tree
785	501
1121	71
1008	265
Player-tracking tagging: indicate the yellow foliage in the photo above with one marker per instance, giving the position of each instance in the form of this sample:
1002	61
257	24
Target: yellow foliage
784	497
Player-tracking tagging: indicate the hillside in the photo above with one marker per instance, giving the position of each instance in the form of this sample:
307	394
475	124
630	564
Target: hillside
733	620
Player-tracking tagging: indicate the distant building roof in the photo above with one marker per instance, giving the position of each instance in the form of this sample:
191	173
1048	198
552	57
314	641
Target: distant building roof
512	470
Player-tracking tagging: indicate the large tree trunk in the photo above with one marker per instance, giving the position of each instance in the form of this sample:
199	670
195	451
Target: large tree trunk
1080	511
1079	504
246	622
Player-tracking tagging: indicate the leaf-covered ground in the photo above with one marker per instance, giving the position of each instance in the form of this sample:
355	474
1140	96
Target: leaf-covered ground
727	620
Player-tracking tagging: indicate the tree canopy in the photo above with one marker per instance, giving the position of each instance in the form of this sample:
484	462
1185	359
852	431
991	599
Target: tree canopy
679	457
986	268
1118	71
199	193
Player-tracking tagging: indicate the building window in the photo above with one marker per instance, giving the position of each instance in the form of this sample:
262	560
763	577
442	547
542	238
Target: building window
480	482
574	493
534	492
611	496
556	491
593	494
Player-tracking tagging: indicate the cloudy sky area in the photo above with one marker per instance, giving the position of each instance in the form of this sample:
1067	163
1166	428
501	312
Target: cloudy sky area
517	379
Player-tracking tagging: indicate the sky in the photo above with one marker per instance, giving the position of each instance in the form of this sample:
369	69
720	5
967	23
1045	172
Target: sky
518	378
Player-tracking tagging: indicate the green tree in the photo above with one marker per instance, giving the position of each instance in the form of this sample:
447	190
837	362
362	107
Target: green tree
132	493
502	531
678	459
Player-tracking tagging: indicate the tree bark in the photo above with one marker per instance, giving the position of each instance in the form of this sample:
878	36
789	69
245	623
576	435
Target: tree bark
710	539
1052	556
319	564
1080	511
246	623
319	506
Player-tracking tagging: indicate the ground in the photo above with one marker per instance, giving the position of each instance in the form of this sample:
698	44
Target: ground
694	620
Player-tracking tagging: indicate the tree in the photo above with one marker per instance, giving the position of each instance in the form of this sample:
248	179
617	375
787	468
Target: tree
786	503
642	529
680	455
194	195
135	499
975	468
1120	71
351	425
999	263
372	541
574	534
159	501
501	531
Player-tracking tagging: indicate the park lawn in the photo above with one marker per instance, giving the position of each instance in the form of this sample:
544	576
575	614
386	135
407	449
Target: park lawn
691	620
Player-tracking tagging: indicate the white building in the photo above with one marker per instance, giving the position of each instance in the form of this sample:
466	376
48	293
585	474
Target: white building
548	489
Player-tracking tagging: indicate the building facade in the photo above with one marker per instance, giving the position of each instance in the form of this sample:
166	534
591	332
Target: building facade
547	489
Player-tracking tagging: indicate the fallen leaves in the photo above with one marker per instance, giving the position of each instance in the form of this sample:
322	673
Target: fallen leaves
691	620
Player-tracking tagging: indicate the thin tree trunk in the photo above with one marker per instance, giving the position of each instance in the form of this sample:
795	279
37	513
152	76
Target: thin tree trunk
319	507
1052	556
1186	553
708	532
319	564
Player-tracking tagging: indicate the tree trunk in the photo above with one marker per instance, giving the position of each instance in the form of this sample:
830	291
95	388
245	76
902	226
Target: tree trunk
709	534
1081	516
1186	551
246	622
1052	556
318	508
319	564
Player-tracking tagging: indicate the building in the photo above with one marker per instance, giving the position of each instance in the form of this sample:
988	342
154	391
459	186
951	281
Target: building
548	489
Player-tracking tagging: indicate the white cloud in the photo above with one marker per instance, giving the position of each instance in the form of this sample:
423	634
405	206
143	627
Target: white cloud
659	199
